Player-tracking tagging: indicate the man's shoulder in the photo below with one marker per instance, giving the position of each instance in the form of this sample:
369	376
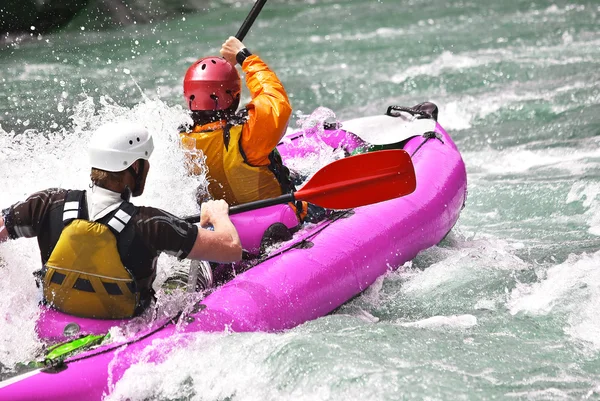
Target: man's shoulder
154	213
159	224
253	62
56	191
50	194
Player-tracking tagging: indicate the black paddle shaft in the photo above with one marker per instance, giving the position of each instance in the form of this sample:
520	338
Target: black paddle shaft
241	34
245	207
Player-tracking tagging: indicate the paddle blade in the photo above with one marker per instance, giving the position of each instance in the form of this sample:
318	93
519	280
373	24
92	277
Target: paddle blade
361	180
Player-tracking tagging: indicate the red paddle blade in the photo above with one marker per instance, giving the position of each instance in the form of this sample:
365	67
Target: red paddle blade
361	180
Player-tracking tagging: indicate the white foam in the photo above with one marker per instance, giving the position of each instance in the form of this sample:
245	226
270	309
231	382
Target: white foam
520	160
209	365
445	322
539	56
32	72
33	160
589	194
18	304
554	9
570	289
383	32
444	62
471	262
459	113
307	165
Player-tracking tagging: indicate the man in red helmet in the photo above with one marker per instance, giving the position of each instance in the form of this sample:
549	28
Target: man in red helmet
243	164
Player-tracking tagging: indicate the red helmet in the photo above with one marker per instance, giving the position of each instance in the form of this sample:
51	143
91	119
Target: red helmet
211	83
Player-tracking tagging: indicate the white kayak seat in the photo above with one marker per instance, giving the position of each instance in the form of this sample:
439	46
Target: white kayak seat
386	130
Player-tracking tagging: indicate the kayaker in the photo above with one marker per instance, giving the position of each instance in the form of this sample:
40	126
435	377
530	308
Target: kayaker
239	147
98	250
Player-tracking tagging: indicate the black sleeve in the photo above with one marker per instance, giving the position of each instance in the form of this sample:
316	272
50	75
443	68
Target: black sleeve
165	232
26	219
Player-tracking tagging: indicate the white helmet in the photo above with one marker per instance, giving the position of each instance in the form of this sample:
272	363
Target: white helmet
117	145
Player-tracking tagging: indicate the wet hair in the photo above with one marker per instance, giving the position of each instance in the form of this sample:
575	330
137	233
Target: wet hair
101	177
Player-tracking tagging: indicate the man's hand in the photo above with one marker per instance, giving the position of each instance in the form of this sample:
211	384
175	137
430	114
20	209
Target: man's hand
3	231
221	245
212	212
230	49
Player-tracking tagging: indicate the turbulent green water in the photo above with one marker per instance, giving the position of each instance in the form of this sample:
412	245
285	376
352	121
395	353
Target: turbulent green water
505	308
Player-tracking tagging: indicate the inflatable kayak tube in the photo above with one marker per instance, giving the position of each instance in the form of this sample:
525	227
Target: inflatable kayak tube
320	269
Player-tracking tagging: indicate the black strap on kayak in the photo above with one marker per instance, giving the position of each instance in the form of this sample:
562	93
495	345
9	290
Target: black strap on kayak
332	125
422	110
428	135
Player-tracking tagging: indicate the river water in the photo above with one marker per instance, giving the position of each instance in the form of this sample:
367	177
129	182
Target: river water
505	308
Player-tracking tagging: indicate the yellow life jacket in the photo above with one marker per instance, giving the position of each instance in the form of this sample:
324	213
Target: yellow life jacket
84	275
230	177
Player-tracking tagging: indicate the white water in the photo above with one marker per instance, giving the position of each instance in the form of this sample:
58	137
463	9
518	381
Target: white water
38	161
504	308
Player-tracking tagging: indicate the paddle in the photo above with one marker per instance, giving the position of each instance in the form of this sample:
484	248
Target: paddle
241	34
347	183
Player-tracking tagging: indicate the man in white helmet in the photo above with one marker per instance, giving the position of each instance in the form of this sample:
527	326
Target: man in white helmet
98	250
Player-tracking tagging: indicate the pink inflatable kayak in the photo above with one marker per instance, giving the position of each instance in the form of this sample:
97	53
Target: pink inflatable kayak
320	269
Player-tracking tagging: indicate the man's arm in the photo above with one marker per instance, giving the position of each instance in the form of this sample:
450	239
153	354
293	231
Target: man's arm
221	245
268	111
26	219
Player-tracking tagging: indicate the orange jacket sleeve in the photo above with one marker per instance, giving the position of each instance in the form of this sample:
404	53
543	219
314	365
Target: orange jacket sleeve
268	112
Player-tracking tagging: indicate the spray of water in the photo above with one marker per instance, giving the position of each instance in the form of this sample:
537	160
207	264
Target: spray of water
569	292
313	126
33	160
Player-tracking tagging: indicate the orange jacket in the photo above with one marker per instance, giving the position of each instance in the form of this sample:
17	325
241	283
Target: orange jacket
268	112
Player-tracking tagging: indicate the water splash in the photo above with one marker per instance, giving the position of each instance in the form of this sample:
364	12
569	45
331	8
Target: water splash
314	123
569	291
445	322
587	194
33	159
313	126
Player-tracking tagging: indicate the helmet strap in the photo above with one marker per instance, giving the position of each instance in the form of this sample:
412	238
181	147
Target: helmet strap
138	177
126	193
201	117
